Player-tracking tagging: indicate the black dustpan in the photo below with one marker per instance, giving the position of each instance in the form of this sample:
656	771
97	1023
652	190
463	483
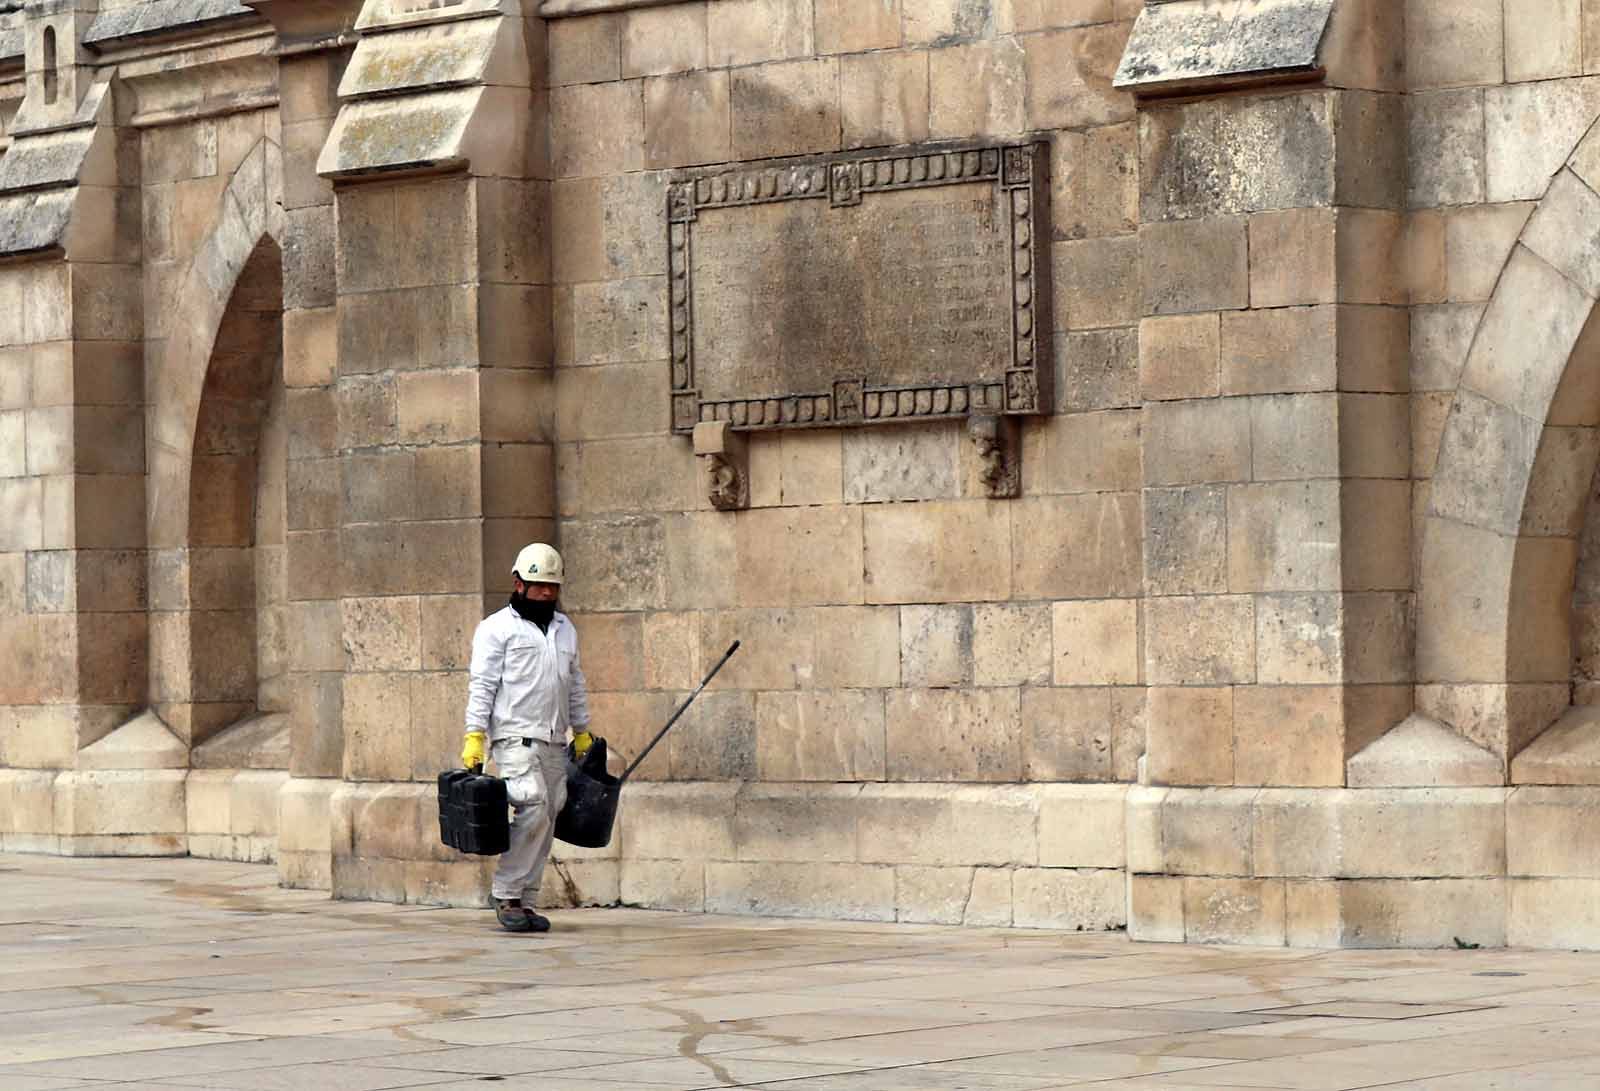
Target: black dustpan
593	793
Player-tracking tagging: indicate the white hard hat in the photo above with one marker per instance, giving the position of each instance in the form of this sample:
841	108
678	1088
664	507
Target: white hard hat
537	563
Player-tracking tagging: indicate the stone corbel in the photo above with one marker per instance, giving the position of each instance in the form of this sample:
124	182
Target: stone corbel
999	455
726	458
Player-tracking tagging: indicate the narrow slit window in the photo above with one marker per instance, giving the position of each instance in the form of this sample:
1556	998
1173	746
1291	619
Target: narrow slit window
50	83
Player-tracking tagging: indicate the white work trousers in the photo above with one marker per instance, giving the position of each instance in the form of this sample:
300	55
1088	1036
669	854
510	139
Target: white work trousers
536	785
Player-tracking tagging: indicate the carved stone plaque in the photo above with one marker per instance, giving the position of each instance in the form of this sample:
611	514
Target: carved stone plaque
861	289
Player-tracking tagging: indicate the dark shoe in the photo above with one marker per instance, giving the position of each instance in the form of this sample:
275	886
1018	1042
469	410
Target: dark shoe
512	917
536	922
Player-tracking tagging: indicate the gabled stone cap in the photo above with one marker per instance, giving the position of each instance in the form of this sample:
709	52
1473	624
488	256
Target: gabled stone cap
144	742
261	742
153	17
1567	753
1181	44
1421	752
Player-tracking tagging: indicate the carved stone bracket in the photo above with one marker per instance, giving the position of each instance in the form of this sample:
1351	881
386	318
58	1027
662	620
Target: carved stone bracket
727	461
999	455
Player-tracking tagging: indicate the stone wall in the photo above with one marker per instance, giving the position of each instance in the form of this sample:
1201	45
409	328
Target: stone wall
312	314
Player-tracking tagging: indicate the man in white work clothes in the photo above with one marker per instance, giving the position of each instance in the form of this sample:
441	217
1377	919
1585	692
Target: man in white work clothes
526	690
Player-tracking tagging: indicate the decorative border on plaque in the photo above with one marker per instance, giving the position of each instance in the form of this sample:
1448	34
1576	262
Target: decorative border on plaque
1019	170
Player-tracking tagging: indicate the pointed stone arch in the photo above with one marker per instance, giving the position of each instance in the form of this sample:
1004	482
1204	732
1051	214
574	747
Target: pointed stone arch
1499	543
211	386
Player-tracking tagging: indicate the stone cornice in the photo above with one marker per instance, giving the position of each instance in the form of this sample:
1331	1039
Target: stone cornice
560	9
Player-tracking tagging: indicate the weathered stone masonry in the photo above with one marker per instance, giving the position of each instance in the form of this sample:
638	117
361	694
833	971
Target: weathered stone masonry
1277	624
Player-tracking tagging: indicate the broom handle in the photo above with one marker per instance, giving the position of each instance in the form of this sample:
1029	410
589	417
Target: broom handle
646	751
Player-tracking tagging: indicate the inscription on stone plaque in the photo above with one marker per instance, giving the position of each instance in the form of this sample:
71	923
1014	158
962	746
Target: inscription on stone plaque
856	289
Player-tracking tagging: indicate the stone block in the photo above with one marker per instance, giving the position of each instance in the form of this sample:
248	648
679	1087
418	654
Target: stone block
1096	642
1553	913
780	889
701	561
1082	452
597	129
1077	546
1377	637
1293	258
916	462
810	466
1561	473
1376	551
1196	442
1299	639
1155	909
374	749
936	646
1180	357
1406	913
1129	709
1185	542
1011	645
382	634
1200	640
883	98
947	825
940	551
1425	257
782	560
1446	148
1094	182
1194	265
1289	735
1284	537
1477	241
857	646
1280	351
1190	737
1208	831
1069	77
1298	436
661	40
796	823
1546	832
618	322
1097	369
1071	900
820	736
785	109
1081	826
631	475
664	884
1452	44
1067	734
585	50
687	119
1096	282
671	650
953	735
1530	129
933	895
1248	911
108	803
1374	435
1142	832
845	27
1228	155
716	739
976	88
671	821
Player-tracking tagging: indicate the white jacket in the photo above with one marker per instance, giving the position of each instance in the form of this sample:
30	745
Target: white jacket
526	683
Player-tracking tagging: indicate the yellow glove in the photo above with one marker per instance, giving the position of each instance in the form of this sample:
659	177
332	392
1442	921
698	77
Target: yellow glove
472	751
581	741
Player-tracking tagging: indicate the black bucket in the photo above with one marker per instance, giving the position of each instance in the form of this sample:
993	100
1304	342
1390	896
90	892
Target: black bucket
592	797
593	793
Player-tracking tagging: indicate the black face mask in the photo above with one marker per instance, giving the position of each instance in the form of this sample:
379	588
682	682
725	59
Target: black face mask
540	613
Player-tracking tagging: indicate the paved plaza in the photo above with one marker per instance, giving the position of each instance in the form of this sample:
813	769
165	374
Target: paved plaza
180	974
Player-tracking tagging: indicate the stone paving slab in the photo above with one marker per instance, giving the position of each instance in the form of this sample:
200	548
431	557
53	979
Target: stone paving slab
171	975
